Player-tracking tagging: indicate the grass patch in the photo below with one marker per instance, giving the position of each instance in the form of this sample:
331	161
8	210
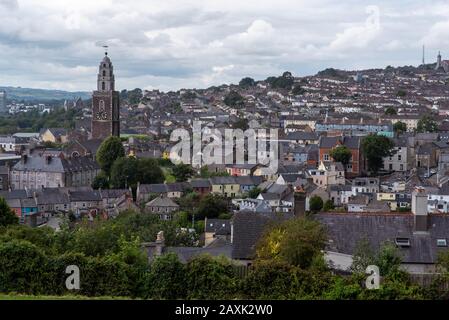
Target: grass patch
14	296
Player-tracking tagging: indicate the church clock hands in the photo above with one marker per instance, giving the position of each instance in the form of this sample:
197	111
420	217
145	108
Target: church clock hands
102	115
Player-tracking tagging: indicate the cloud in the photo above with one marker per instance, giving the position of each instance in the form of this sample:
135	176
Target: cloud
169	44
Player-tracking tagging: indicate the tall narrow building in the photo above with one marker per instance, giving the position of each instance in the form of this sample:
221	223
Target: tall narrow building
105	103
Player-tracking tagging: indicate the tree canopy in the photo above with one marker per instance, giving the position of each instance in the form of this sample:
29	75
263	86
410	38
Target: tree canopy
183	172
127	172
211	206
297	241
375	148
247	82
341	154
110	150
316	204
400	127
234	99
427	124
7	216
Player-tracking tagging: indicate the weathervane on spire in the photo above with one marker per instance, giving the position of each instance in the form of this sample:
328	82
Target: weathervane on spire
106	50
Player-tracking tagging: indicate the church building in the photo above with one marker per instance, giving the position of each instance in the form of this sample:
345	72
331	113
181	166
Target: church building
105	103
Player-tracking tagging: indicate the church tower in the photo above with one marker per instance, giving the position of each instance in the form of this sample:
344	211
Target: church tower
105	103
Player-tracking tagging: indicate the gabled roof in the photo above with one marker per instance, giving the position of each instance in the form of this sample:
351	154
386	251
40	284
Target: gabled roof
162	202
218	226
346	230
223	180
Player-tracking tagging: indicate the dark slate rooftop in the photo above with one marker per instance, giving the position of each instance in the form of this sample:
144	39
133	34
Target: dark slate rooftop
200	183
92	195
346	230
248	228
218	226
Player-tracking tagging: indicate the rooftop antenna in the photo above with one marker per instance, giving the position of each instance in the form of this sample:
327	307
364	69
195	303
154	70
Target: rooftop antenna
423	55
105	50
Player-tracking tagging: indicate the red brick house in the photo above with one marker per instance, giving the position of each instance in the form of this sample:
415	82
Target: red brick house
356	164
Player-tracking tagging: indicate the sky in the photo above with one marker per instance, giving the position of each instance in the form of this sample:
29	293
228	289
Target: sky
169	45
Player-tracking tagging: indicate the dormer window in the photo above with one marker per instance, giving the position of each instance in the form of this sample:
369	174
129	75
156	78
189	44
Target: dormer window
441	243
403	242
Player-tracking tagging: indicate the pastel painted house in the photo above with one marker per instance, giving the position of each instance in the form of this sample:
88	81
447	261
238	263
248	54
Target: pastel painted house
226	186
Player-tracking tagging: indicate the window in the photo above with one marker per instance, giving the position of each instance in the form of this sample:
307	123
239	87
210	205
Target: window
403	242
103	86
399	157
441	243
104	73
326	157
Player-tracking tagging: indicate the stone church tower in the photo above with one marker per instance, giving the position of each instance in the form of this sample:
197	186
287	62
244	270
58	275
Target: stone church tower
105	103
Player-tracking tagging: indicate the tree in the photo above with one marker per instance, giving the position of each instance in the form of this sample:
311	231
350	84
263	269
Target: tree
328	205
183	172
134	96
101	181
297	90
241	123
110	150
388	259
297	241
427	124
166	279
247	82
234	99
7	216
401	93
341	154
315	204
400	127
209	277
375	148
211	206
390	111
363	256
254	193
127	172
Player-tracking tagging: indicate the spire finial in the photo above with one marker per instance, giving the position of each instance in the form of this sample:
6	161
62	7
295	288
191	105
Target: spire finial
105	50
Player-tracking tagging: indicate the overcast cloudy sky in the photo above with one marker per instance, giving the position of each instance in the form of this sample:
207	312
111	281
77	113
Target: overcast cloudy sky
167	44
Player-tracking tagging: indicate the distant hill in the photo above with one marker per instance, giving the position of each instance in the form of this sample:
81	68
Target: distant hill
42	95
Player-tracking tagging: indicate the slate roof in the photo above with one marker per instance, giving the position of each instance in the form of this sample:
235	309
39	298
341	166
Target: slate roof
218	226
346	230
93	195
223	180
248	228
162	202
37	163
200	183
218	248
51	196
302	136
57	132
14	194
248	180
112	193
330	142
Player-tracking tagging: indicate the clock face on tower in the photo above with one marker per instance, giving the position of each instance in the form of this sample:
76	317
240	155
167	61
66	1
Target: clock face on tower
101	114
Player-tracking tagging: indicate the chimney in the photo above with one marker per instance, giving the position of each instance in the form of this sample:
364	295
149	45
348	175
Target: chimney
419	209
47	160
24	159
